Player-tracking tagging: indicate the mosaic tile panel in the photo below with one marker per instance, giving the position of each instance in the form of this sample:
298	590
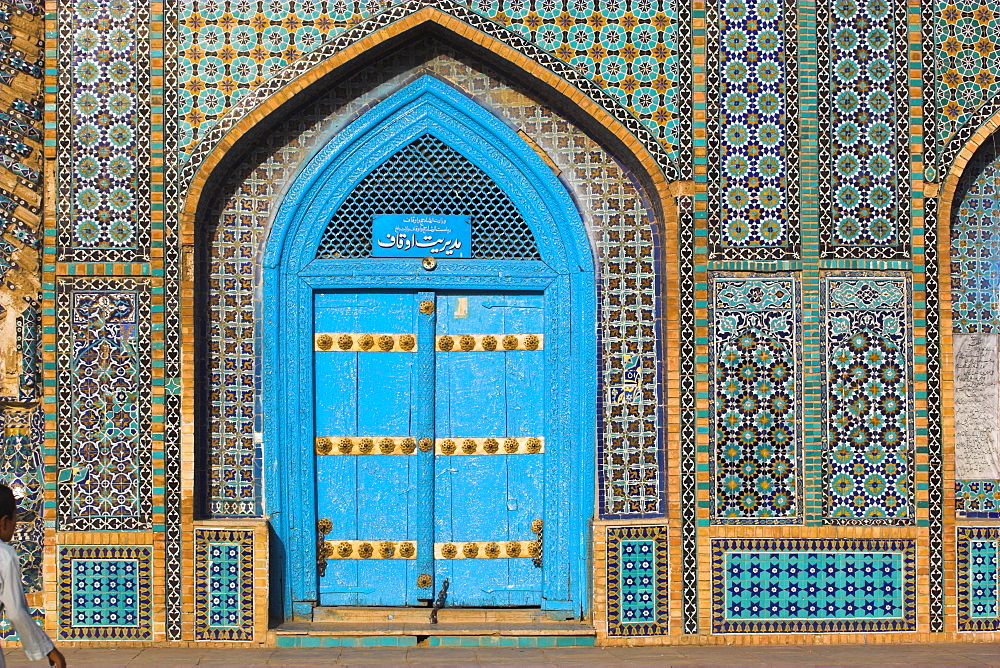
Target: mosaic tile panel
975	247
753	145
688	417
103	364
864	131
868	467
223	584
968	63
22	468
7	632
813	586
755	376
629	454
978	567
977	498
105	593
637	588
104	131
626	47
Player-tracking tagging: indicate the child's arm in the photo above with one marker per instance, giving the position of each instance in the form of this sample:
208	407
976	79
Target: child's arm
33	639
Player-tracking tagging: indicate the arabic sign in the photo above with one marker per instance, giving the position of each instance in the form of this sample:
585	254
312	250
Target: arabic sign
411	235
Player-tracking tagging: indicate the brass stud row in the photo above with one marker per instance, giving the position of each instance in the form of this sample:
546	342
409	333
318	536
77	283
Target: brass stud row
530	445
350	342
484	549
488	342
365	445
368	549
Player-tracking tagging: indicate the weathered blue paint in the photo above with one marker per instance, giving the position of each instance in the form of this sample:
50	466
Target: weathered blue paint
563	282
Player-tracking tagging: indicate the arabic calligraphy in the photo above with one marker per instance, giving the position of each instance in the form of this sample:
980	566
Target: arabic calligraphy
417	236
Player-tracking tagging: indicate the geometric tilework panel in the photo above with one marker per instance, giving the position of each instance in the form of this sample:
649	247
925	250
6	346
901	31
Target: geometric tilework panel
223	584
968	62
637	581
228	48
755	431
864	128
103	404
868	467
975	246
977	498
104	130
22	469
978	565
813	586
105	593
753	151
7	631
629	452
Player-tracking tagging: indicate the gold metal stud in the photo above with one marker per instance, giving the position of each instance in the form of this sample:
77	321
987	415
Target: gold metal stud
427	307
365	550
448	446
324	526
470	550
449	551
408	446
446	343
467	342
324	446
345	342
424	580
407	550
386	343
531	342
366	342
324	342
489	342
407	342
469	446
426	445
510	342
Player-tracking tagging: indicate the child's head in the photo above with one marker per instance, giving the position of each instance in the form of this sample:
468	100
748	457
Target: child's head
8	513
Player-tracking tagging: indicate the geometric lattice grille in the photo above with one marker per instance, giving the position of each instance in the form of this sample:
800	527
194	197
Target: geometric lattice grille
430	178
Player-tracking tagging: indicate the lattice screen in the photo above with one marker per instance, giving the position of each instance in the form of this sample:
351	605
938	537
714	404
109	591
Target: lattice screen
428	177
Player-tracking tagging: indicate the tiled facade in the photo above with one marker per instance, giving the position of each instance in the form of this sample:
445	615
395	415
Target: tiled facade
771	192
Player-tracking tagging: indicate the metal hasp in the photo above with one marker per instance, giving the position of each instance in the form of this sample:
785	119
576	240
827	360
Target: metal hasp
442	598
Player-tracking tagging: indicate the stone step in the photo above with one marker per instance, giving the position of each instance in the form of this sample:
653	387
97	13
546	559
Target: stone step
456	627
400	615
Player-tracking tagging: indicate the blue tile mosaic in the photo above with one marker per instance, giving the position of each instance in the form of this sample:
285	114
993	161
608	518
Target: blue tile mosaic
975	247
105	593
637	581
104	369
630	456
977	499
978	567
224	584
104	195
756	376
7	632
868	467
864	128
813	586
753	151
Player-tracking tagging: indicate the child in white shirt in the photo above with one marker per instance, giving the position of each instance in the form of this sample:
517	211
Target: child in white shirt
12	602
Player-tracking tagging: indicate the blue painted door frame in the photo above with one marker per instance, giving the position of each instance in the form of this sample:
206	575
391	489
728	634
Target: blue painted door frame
291	276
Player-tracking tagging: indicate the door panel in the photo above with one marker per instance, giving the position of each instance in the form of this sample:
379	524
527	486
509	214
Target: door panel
472	503
488	497
367	496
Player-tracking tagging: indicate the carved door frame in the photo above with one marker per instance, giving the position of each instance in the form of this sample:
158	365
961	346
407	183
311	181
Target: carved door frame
291	275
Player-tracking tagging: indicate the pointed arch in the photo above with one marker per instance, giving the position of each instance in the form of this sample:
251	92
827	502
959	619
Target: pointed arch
587	103
565	275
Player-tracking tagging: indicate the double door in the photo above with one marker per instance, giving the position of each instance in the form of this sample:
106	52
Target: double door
430	447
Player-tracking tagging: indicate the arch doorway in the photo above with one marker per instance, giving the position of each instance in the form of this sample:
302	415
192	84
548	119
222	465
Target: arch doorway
429	366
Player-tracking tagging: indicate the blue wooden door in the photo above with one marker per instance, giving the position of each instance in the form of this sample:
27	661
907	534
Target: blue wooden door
490	444
367	502
430	446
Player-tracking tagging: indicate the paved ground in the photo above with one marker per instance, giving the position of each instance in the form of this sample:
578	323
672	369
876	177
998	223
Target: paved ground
837	655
